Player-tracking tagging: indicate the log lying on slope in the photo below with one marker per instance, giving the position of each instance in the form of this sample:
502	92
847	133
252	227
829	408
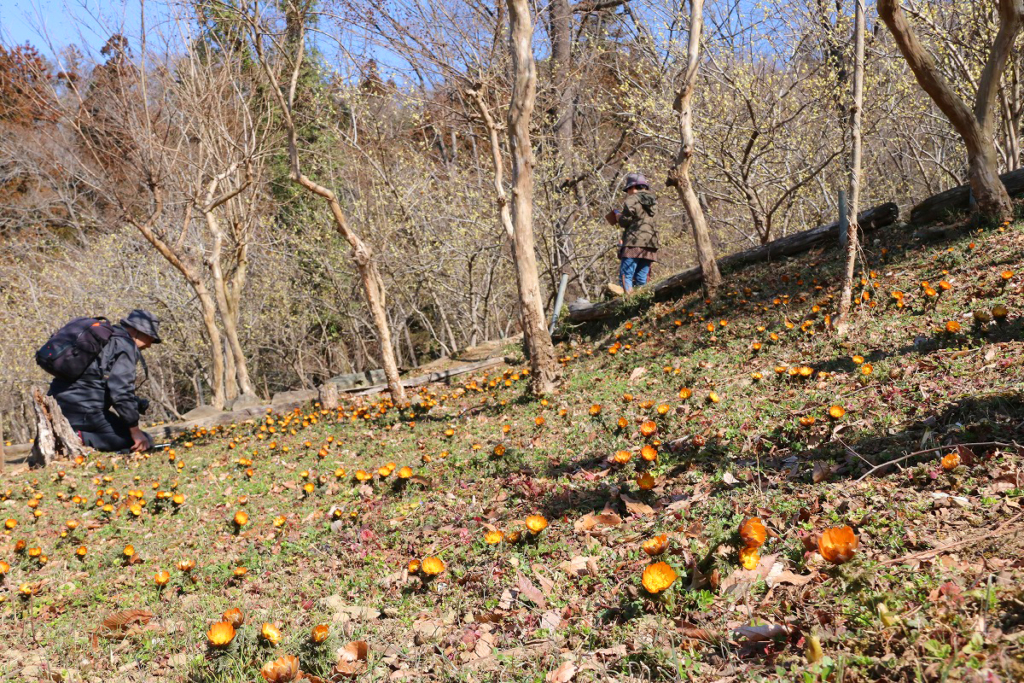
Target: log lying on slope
940	206
872	219
301	399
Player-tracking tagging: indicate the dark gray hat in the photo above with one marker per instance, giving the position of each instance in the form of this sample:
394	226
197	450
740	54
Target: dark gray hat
635	179
145	322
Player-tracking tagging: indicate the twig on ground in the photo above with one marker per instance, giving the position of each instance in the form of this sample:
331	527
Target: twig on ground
885	464
925	554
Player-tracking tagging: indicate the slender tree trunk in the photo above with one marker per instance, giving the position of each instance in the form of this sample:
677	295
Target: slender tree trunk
228	313
560	31
842	322
545	370
679	173
975	126
206	303
373	285
230	375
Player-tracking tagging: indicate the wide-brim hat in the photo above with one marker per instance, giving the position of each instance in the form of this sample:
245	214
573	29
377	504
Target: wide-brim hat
145	322
635	179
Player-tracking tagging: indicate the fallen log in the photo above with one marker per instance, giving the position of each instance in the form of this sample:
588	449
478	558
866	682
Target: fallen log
435	377
872	219
940	206
163	433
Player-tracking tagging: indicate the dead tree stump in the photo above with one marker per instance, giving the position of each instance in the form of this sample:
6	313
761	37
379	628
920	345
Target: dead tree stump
55	437
328	396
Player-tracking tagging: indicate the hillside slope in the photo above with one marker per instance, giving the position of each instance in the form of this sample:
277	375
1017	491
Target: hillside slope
680	423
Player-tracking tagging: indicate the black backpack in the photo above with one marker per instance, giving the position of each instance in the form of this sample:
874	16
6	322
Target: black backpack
73	347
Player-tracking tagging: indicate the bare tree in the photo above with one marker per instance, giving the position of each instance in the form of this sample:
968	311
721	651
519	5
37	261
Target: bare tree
975	125
547	373
679	173
362	254
842	321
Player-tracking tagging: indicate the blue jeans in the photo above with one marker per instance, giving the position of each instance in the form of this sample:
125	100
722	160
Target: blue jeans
633	272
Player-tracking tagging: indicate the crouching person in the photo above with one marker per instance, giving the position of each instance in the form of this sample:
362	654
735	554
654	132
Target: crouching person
94	366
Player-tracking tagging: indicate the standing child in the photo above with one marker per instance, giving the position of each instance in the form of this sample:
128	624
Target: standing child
638	247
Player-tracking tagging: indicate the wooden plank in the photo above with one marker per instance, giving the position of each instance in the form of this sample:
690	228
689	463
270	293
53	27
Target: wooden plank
940	206
872	219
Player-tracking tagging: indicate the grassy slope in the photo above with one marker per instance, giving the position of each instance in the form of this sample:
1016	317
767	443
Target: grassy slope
949	613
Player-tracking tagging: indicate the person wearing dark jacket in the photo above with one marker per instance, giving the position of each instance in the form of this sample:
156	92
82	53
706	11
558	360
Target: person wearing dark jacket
638	246
109	382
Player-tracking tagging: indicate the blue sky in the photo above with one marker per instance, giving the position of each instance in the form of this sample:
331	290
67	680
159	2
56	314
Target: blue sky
86	23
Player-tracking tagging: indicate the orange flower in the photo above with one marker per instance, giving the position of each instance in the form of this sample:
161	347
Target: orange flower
836	412
432	566
595	410
161	578
622	457
220	634
649	428
241	518
539	421
270	633
282	670
414	566
645	481
320	633
750	557
649	453
951	461
753	532
658	577
493	537
655	546
622	423
838	544
807	421
234	616
536	524
953	327
685	393
713	397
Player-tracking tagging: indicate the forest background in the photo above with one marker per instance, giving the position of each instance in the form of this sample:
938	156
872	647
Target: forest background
150	168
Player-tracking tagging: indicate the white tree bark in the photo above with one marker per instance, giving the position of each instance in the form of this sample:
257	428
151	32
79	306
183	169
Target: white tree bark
544	366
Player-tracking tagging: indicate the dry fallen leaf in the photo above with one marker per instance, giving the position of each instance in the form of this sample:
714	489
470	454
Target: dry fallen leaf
352	658
636	507
742	577
590	521
563	674
530	592
580	566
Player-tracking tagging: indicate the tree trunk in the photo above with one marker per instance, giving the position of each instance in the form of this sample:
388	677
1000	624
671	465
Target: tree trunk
209	310
373	285
55	438
842	322
975	126
560	32
679	173
545	370
328	396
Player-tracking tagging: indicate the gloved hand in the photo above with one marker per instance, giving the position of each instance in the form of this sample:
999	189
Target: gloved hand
143	405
